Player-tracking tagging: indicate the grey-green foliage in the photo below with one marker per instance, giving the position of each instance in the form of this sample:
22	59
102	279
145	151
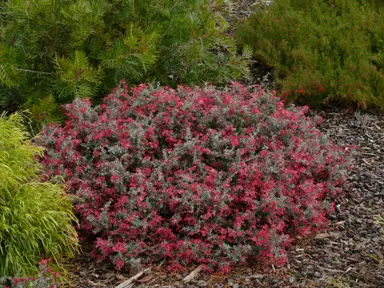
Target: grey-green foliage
45	279
35	216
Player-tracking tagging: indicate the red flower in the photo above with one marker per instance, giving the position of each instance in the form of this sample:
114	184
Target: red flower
235	142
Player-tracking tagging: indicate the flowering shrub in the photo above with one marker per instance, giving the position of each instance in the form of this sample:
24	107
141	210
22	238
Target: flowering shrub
194	175
46	279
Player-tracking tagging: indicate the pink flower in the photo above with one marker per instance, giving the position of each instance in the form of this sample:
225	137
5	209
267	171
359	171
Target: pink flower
119	247
235	142
119	264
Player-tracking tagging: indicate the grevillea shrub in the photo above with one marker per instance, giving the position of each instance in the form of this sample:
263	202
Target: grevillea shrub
45	279
194	175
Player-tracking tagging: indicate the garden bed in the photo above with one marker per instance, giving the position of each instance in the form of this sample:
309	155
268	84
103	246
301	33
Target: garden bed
349	253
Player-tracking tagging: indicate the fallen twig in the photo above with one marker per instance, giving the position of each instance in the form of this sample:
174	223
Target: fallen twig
331	270
131	281
256	276
327	235
192	274
94	284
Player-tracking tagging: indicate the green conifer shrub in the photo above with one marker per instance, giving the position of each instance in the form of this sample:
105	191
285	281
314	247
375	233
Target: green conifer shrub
80	48
35	216
321	51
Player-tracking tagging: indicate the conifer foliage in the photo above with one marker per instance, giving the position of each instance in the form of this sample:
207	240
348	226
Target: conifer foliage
80	48
194	175
322	52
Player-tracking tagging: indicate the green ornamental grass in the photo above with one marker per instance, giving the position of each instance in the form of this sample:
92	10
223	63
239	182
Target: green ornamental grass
35	216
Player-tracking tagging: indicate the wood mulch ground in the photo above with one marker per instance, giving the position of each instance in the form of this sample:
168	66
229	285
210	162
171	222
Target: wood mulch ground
348	254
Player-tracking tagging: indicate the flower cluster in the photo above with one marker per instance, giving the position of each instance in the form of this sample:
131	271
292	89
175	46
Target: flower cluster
194	175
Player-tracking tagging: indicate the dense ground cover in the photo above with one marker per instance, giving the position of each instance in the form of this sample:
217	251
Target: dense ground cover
44	279
194	175
349	253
